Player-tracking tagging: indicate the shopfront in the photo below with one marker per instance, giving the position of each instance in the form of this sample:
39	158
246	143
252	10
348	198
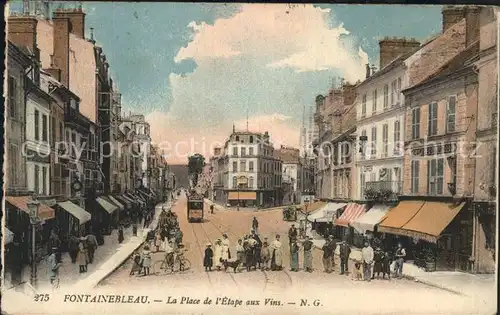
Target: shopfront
72	219
107	215
242	198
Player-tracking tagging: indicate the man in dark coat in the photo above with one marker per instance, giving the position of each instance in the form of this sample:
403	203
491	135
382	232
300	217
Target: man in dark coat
292	234
255	225
257	248
208	258
345	251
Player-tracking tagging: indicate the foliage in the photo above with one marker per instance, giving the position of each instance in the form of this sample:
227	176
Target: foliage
379	195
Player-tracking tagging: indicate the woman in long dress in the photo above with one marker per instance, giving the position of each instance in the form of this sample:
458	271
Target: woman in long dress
277	254
146	260
81	257
218	254
225	248
294	256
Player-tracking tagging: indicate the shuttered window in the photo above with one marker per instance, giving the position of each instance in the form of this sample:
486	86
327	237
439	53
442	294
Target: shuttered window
451	114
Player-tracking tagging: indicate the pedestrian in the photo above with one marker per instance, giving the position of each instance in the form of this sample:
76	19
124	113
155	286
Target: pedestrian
277	255
240	252
218	254
265	255
400	259
208	258
54	241
212	209
91	246
345	252
226	255
292	234
158	241
308	257
333	245
73	248
367	258
294	256
257	248
386	265
377	262
169	254
134	229
327	255
178	237
137	266
250	253
255	225
54	263
146	260
82	256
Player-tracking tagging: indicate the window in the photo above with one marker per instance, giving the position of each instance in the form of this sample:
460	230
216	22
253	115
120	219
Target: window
37	125
12	162
363	106
398	94
363	149
394	86
415	170
385	139
432	126
243	151
362	180
451	114
235	151
374	142
12	97
250	166
37	179
44	128
435	171
250	182
373	177
61	131
44	181
243	166
397	136
237	138
386	96
235	184
415	123
250	151
251	139
235	166
374	102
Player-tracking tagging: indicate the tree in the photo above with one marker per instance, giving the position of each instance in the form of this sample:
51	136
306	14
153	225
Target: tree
196	163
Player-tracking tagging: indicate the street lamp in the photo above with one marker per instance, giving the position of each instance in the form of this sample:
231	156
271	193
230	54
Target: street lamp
34	208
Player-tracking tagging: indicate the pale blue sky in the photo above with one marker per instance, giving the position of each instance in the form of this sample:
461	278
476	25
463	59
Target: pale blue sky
272	71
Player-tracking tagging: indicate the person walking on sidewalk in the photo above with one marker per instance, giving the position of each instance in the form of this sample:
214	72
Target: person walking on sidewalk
82	256
400	259
91	246
54	262
328	255
208	259
345	251
367	257
120	234
73	248
308	257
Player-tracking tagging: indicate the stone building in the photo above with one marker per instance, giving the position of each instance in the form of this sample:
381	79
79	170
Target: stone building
486	168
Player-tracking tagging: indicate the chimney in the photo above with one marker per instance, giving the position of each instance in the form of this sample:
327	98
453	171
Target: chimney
76	19
349	94
61	28
53	71
22	31
392	48
472	24
452	15
368	70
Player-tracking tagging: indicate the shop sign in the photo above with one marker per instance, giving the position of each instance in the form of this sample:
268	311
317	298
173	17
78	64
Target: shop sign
34	156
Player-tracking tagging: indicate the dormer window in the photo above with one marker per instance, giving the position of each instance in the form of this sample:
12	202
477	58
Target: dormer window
251	139
237	138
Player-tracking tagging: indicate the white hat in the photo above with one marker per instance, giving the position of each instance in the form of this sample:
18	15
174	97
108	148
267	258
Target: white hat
209	244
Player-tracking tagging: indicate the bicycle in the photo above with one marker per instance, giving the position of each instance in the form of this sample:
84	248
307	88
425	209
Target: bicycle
180	263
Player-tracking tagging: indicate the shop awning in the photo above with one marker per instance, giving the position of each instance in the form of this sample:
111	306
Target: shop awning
326	213
127	198
106	205
79	213
21	202
115	202
8	236
313	206
367	221
431	220
398	216
242	195
124	201
351	213
137	199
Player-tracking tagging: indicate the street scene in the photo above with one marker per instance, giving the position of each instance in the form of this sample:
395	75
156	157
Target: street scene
200	158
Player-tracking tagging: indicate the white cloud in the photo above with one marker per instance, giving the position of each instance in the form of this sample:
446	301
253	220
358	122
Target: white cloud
267	61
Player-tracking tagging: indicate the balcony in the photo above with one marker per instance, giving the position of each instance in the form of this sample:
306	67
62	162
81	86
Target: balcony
387	190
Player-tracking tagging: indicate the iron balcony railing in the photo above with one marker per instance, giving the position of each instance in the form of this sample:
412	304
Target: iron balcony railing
394	186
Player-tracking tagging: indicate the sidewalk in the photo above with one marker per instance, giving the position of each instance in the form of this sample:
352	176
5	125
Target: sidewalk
481	286
107	258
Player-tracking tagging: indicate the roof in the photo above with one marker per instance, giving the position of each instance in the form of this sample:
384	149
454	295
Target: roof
459	62
21	52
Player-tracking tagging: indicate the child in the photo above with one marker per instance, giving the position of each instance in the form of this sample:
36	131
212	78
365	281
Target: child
146	260
208	259
136	267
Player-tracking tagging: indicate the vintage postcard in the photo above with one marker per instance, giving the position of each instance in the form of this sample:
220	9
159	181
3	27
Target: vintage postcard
193	158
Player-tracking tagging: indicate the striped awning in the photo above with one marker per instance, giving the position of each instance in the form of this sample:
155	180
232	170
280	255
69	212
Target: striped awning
21	202
351	213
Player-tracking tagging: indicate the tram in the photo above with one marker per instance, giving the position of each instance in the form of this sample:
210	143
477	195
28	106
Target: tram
195	208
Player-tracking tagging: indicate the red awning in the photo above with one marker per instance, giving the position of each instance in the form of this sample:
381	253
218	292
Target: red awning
21	202
351	213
